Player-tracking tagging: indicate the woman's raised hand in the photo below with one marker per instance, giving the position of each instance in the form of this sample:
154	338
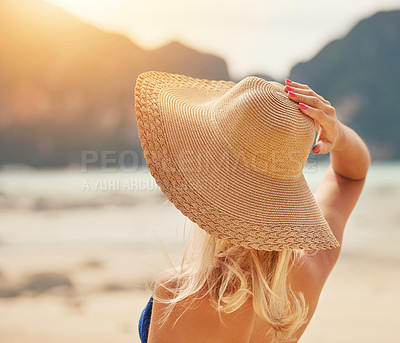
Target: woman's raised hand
319	109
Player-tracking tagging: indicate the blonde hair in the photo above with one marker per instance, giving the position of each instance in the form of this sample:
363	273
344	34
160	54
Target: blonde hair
231	274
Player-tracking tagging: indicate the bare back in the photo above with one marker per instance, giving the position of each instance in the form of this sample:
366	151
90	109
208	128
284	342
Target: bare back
336	197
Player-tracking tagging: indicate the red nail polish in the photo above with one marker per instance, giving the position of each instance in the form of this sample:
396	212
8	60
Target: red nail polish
303	106
289	88
292	94
317	149
287	80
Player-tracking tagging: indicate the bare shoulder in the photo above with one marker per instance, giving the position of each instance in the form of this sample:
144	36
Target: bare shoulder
337	197
164	282
196	315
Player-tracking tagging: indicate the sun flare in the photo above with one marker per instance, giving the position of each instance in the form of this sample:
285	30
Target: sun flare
84	7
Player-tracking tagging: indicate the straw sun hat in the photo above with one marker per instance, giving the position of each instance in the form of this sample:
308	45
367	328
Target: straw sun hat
230	157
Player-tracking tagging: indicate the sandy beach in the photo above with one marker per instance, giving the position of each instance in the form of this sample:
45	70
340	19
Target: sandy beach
76	267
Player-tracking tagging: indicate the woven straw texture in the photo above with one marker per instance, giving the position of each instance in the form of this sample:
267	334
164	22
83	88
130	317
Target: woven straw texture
230	157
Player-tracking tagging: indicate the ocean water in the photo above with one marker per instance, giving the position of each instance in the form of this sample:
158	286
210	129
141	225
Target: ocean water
21	181
49	209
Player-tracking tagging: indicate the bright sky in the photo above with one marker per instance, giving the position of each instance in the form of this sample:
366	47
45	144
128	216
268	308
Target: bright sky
253	36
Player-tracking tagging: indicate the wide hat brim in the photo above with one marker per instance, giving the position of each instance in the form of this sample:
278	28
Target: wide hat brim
196	169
